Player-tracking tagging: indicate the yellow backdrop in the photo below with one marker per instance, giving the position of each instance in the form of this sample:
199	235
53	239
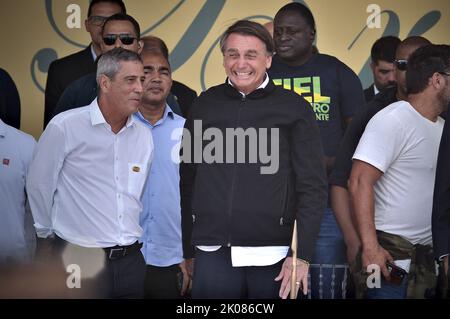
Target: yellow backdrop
34	32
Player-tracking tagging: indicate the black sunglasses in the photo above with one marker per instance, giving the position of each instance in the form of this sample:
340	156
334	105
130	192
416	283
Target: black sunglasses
401	64
126	39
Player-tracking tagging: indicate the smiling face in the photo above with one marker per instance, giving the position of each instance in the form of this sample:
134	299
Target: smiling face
158	80
246	60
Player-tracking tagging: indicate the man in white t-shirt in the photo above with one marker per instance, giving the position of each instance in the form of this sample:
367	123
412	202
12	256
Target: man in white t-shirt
392	179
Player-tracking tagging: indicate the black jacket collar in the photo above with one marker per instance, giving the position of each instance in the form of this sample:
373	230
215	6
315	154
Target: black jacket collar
232	92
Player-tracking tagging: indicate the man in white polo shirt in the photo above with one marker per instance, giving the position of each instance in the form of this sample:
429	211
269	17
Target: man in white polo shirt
88	173
392	179
17	238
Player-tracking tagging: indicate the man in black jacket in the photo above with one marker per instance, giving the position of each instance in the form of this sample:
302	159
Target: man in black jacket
64	71
382	55
238	202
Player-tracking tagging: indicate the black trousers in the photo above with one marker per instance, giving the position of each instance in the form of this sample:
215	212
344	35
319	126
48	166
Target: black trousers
117	278
216	278
163	282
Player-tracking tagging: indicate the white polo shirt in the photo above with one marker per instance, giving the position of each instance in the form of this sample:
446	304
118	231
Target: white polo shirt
17	241
85	182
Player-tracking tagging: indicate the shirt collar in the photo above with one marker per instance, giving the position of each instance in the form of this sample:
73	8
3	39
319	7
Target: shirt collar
98	118
167	113
94	56
262	86
2	129
375	90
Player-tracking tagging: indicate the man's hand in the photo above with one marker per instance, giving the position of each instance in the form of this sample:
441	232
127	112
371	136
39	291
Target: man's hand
352	252
285	275
377	256
187	279
187	267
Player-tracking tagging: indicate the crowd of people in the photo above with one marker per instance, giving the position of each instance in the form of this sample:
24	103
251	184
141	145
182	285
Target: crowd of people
169	195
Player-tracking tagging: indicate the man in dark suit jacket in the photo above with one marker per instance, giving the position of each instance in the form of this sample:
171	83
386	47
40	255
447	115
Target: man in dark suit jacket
83	91
383	56
9	100
441	203
64	71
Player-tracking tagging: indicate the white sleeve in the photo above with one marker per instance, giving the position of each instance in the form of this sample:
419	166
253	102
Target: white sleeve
43	176
381	142
30	231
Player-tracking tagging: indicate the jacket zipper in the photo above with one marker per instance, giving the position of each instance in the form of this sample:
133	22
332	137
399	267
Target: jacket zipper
233	180
285	202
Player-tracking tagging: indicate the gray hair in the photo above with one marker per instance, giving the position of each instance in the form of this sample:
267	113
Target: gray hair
109	62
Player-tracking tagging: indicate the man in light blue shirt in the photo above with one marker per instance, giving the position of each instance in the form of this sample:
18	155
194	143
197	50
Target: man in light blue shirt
161	215
17	235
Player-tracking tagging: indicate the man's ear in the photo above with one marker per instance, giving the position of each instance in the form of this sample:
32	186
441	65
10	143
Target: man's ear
313	35
140	46
86	25
438	81
104	83
268	62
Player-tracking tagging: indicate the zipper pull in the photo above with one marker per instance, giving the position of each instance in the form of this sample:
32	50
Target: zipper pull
281	221
193	218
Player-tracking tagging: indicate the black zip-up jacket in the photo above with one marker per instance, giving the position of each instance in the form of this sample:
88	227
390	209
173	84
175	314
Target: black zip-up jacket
233	204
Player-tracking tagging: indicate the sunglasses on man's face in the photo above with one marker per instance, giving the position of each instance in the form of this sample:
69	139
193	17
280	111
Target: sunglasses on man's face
126	39
97	20
401	64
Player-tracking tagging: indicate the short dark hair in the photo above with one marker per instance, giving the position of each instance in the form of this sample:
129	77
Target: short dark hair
155	44
302	10
384	49
249	28
124	17
423	63
118	2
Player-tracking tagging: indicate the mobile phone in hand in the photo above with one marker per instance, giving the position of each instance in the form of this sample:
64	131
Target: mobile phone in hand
397	274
